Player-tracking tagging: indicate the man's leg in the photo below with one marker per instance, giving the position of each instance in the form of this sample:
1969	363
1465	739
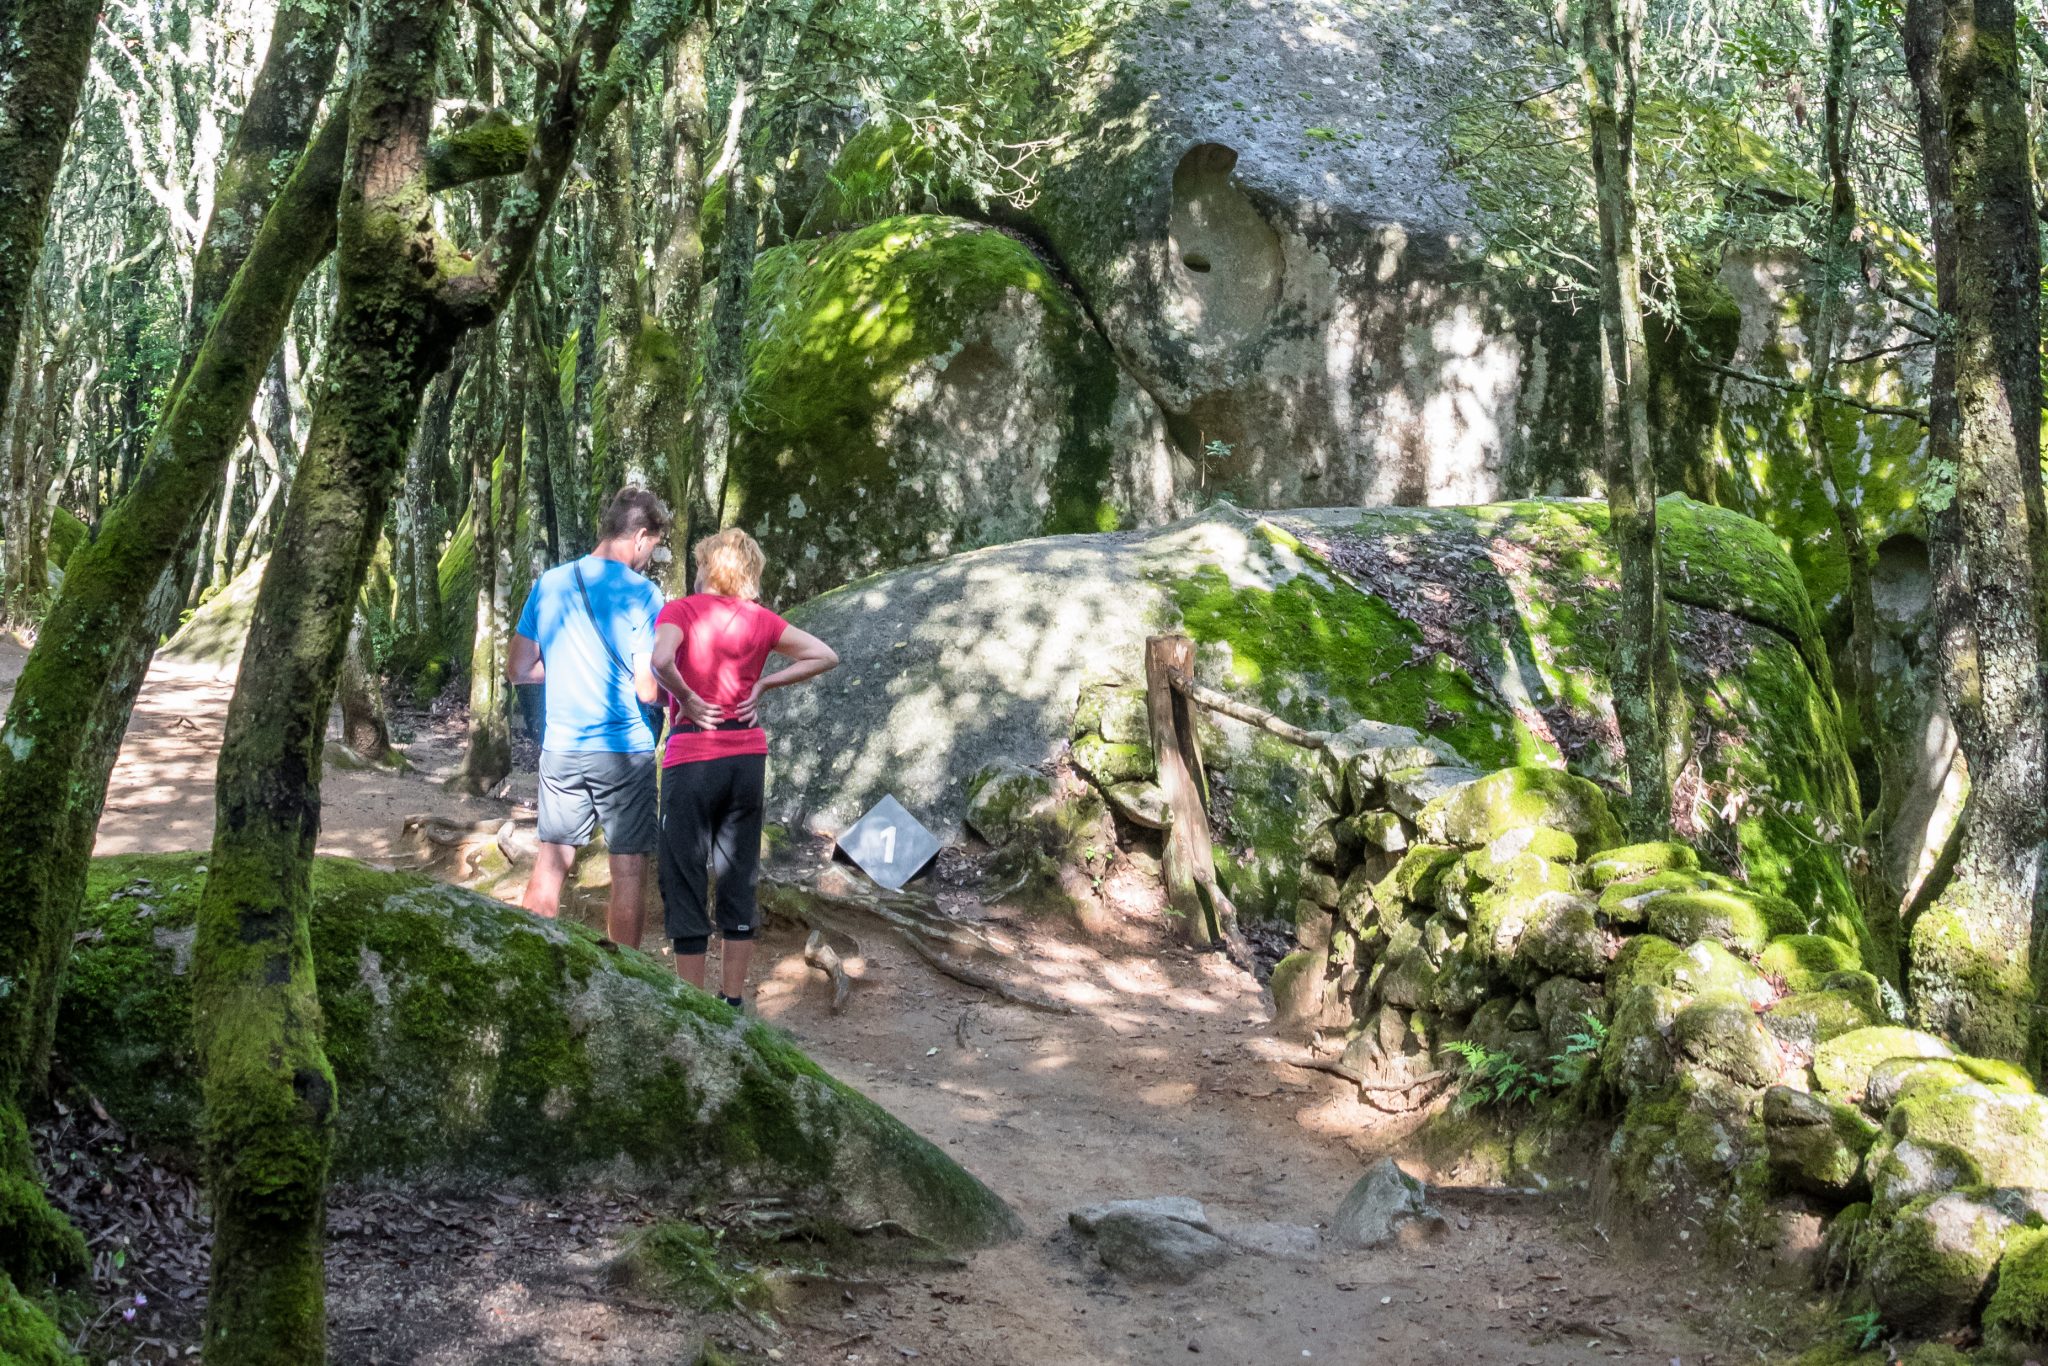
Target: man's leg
627	810
544	889
625	916
567	818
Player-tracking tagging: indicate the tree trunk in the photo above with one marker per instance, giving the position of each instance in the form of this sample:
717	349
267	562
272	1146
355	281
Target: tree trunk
576	505
73	698
364	728
488	758
72	701
223	526
1835	266
1188	862
45	46
650	427
725	359
418	528
1974	975
1610	42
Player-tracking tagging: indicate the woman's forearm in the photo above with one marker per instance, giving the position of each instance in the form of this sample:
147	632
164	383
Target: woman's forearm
798	671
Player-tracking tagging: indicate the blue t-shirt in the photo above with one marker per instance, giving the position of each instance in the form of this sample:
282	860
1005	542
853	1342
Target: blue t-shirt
591	704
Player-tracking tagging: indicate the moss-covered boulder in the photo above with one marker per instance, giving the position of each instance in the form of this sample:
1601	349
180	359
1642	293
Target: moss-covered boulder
1719	1039
1731	918
925	385
1807	1019
1636	1060
1521	798
1931	1265
1699	969
474	1044
1999	1136
1843	1065
2016	1319
1641	860
1816	1145
1805	961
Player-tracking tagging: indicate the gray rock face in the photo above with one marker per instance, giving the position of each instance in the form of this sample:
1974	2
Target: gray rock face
1176	1207
1285	1242
982	657
1166	1238
1386	1204
1311	302
1152	1247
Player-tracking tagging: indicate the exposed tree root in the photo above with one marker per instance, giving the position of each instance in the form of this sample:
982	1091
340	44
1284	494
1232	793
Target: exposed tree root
834	906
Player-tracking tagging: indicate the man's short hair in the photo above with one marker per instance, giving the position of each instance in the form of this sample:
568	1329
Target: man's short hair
633	509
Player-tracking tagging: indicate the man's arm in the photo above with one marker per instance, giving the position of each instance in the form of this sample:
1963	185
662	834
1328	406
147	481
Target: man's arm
522	660
668	638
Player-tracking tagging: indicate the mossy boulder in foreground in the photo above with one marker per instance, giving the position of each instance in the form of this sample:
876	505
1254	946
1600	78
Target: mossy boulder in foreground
474	1043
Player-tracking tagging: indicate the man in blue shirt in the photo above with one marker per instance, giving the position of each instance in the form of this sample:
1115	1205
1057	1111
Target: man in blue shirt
588	632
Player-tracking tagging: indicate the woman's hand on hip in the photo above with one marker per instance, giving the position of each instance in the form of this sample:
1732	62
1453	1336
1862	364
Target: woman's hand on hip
749	711
702	714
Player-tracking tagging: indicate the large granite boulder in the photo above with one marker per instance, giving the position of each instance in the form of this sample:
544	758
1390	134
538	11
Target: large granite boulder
1486	630
924	385
474	1044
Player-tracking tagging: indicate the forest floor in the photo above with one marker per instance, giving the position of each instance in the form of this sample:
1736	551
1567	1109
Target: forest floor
1164	1081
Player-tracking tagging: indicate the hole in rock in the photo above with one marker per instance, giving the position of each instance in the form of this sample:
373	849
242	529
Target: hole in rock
1232	255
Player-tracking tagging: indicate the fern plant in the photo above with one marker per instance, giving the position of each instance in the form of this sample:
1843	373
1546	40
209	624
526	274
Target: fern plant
1500	1080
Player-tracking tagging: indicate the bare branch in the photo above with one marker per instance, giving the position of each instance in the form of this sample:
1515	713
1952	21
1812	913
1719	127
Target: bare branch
1788	386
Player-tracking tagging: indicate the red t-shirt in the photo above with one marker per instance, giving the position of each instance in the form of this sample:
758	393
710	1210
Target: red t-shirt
725	645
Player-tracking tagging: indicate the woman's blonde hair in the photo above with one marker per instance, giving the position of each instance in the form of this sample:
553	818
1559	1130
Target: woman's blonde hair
730	564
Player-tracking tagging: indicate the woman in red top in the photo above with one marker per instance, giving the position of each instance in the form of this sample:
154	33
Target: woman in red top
709	652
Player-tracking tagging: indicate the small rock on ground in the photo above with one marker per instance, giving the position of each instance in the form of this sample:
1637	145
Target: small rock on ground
1385	1204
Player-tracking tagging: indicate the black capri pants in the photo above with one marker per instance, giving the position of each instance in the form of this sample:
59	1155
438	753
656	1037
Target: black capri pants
711	819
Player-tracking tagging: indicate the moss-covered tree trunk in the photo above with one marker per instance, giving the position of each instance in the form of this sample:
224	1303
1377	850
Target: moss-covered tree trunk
1644	674
405	297
494	519
1975	953
45	46
72	702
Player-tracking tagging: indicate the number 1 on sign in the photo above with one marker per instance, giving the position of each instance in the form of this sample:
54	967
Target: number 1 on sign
889	844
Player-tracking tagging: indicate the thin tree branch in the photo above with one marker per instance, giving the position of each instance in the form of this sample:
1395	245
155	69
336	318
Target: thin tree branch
1829	395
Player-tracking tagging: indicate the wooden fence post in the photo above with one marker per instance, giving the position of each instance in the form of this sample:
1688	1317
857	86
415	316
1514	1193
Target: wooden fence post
1188	862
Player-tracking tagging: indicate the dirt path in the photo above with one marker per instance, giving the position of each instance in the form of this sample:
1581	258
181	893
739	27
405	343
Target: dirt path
1161	1083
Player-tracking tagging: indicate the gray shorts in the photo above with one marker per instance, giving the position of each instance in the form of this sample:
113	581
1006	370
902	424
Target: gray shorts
580	790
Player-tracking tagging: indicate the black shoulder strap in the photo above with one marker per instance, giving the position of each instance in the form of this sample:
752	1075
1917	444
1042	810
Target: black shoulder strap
595	624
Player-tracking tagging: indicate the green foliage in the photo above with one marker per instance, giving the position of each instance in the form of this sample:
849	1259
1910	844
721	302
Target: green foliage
1497	1079
1863	1331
